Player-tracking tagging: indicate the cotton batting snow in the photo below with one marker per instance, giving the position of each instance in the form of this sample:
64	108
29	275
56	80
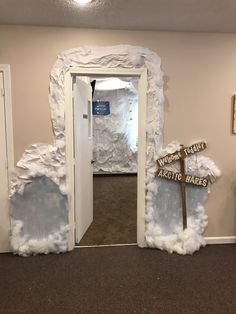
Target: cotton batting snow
56	242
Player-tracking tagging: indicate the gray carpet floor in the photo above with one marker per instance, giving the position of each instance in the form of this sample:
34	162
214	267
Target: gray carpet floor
115	211
120	280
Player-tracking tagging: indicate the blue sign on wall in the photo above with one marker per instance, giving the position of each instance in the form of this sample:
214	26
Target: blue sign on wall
101	108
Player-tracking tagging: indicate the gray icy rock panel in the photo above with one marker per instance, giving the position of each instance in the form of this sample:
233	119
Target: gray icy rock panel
42	208
168	204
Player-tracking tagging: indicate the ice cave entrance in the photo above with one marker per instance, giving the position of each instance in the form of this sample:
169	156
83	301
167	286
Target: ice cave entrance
106	143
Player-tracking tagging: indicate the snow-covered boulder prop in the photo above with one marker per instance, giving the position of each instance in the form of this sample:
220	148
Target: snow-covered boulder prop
164	228
39	209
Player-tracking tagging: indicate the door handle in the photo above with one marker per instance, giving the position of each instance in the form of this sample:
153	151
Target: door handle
92	161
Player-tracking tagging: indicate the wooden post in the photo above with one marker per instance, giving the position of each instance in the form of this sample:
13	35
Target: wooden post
183	192
181	176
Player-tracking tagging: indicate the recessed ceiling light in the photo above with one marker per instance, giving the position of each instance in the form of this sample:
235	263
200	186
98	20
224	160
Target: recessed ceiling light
83	1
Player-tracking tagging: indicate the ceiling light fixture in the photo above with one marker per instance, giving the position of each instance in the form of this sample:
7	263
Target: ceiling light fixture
113	83
83	1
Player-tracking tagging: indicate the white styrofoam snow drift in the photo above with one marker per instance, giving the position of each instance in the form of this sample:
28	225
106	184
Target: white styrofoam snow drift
49	160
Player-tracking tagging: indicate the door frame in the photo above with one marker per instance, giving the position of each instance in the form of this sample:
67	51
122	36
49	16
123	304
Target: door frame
141	73
5	69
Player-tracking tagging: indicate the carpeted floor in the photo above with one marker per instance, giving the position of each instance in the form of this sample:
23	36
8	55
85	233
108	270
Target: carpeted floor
120	280
115	210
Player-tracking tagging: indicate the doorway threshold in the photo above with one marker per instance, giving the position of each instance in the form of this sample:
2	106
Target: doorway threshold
104	173
104	245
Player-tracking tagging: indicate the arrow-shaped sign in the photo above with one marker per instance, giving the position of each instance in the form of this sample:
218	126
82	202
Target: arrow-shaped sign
183	153
178	176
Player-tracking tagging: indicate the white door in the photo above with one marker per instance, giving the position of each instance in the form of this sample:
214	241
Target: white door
83	157
4	213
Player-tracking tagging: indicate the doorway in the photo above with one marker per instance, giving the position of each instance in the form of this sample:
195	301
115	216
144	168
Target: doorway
81	198
112	124
6	155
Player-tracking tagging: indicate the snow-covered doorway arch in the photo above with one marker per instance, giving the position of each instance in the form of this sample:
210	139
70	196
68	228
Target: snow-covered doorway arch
39	189
45	165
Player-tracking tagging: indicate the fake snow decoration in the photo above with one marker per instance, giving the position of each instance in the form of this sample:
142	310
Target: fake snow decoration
24	245
163	227
121	56
115	135
51	163
39	213
39	219
39	160
164	206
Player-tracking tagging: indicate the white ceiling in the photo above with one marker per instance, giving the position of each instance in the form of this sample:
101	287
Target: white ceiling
165	15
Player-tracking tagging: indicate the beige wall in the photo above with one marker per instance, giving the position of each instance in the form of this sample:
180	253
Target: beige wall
200	81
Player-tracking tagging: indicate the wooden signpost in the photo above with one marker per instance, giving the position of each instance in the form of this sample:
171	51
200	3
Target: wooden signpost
181	176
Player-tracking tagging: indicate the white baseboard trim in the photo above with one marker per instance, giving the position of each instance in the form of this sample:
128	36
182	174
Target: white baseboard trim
220	240
209	240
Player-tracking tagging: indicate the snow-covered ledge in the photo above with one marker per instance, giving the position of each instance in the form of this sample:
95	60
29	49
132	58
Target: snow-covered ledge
48	162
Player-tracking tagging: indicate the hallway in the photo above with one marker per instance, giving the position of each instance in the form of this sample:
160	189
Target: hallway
115	210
